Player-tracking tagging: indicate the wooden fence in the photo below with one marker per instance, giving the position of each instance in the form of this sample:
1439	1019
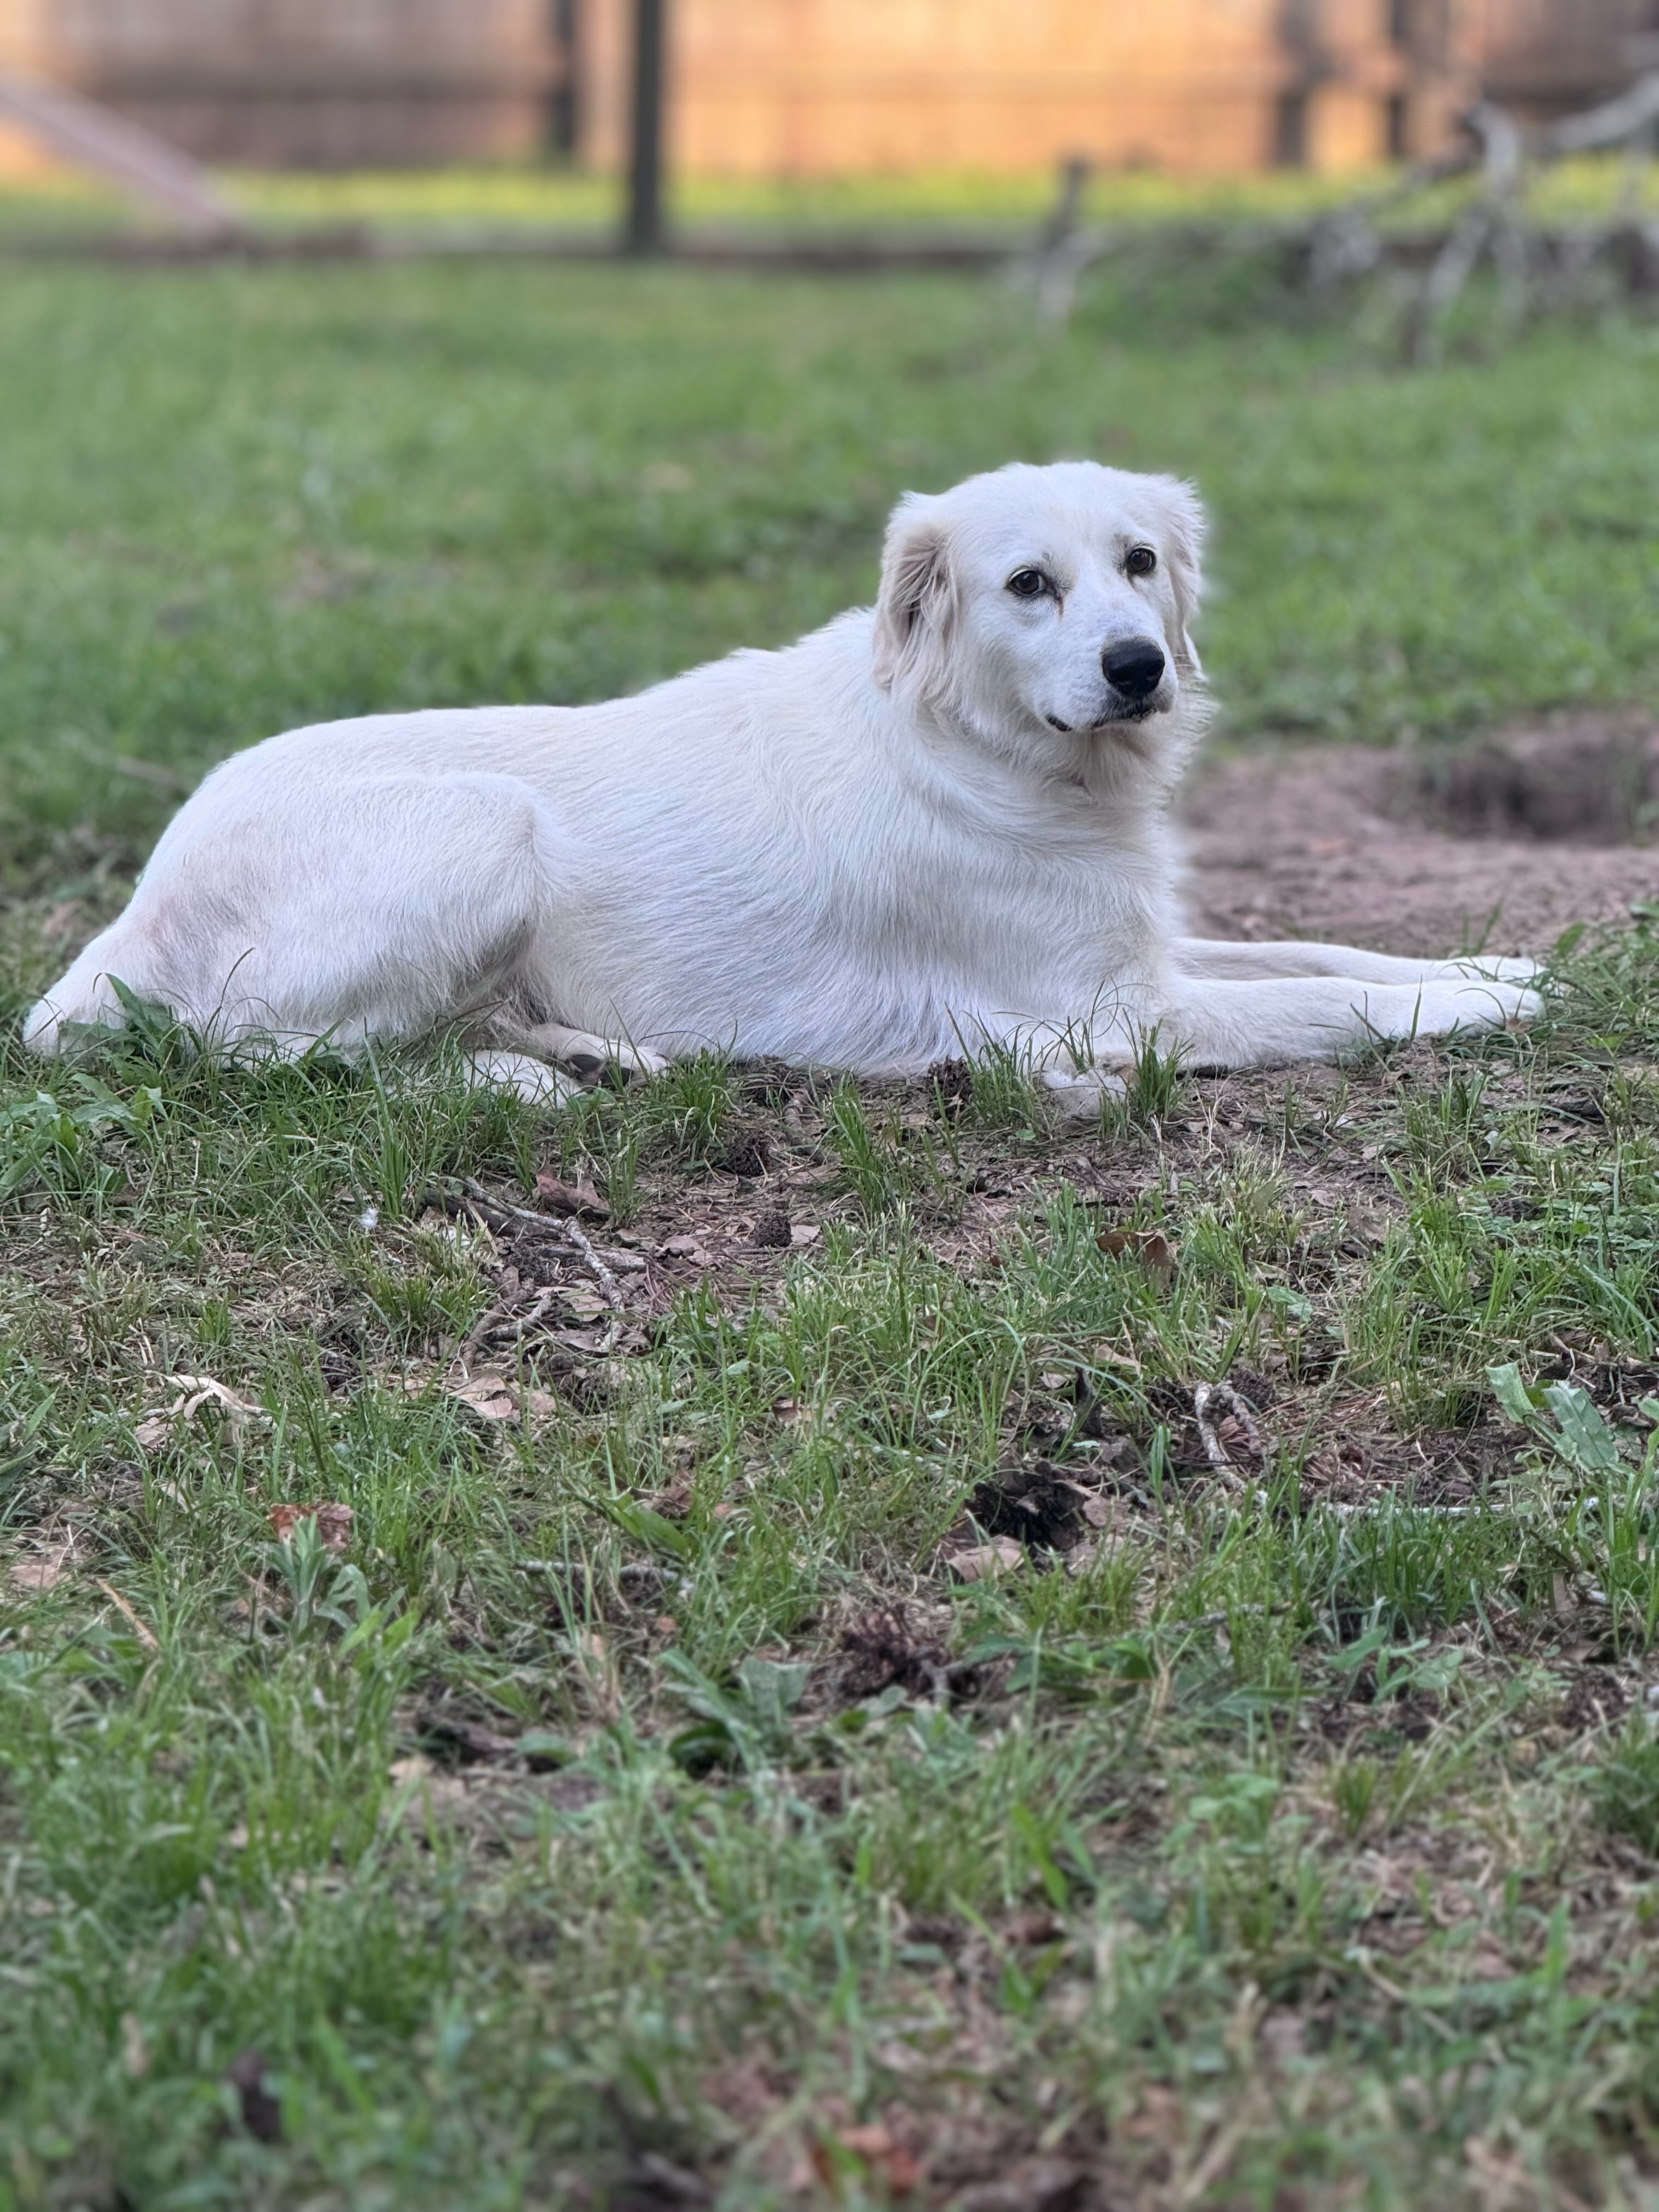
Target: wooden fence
809	88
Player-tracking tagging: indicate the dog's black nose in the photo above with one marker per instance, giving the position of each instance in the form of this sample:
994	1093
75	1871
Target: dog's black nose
1135	668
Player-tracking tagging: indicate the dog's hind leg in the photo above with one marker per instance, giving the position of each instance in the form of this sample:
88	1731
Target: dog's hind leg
398	907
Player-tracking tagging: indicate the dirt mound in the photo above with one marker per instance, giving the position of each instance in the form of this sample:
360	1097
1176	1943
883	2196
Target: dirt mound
1501	844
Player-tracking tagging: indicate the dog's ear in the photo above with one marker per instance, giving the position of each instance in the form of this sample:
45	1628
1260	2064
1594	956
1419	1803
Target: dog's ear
1184	543
916	605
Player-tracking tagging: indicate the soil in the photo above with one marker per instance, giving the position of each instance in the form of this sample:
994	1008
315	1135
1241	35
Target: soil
1501	845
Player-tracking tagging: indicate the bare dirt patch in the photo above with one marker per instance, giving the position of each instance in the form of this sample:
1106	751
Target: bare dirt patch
1502	844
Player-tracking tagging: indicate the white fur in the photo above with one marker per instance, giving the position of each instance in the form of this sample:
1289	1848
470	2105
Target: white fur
870	851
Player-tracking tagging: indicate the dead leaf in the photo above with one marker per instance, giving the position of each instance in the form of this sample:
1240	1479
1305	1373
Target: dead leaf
685	1247
875	2146
333	1523
38	1574
586	1304
198	1393
1034	2185
493	1397
1283	2035
983	1563
1150	1246
1226	1426
672	1504
1034	1927
572	1199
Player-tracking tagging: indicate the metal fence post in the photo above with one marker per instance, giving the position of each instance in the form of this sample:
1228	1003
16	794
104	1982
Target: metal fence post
645	166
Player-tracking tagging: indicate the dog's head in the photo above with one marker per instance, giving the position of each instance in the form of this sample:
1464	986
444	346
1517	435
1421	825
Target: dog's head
1039	607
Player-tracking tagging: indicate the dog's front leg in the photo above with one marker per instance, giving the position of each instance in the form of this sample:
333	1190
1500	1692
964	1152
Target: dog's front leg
1276	960
1219	1023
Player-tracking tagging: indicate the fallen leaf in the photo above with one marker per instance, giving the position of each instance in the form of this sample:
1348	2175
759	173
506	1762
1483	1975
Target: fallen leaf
1226	1426
876	2147
1034	1927
983	1563
333	1523
570	1198
1283	2035
684	1247
803	1232
672	1504
1150	1246
492	1397
38	1574
585	1303
1035	2184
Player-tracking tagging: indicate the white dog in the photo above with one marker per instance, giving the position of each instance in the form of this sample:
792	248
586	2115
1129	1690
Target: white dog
935	825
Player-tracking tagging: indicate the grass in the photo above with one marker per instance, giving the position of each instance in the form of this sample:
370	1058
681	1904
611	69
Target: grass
237	500
634	1804
555	198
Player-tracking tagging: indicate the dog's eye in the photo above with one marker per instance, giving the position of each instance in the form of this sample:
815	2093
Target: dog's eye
1028	583
1141	561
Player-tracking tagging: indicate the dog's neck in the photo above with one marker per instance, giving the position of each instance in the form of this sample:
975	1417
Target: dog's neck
1126	771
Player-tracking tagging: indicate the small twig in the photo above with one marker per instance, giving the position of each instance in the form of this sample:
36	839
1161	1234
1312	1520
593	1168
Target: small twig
577	1238
1220	1619
498	1319
476	1192
146	1636
1617	122
607	1282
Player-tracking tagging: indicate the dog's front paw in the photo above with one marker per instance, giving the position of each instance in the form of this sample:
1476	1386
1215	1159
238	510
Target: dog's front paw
1075	1093
533	1080
1482	967
1446	1008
